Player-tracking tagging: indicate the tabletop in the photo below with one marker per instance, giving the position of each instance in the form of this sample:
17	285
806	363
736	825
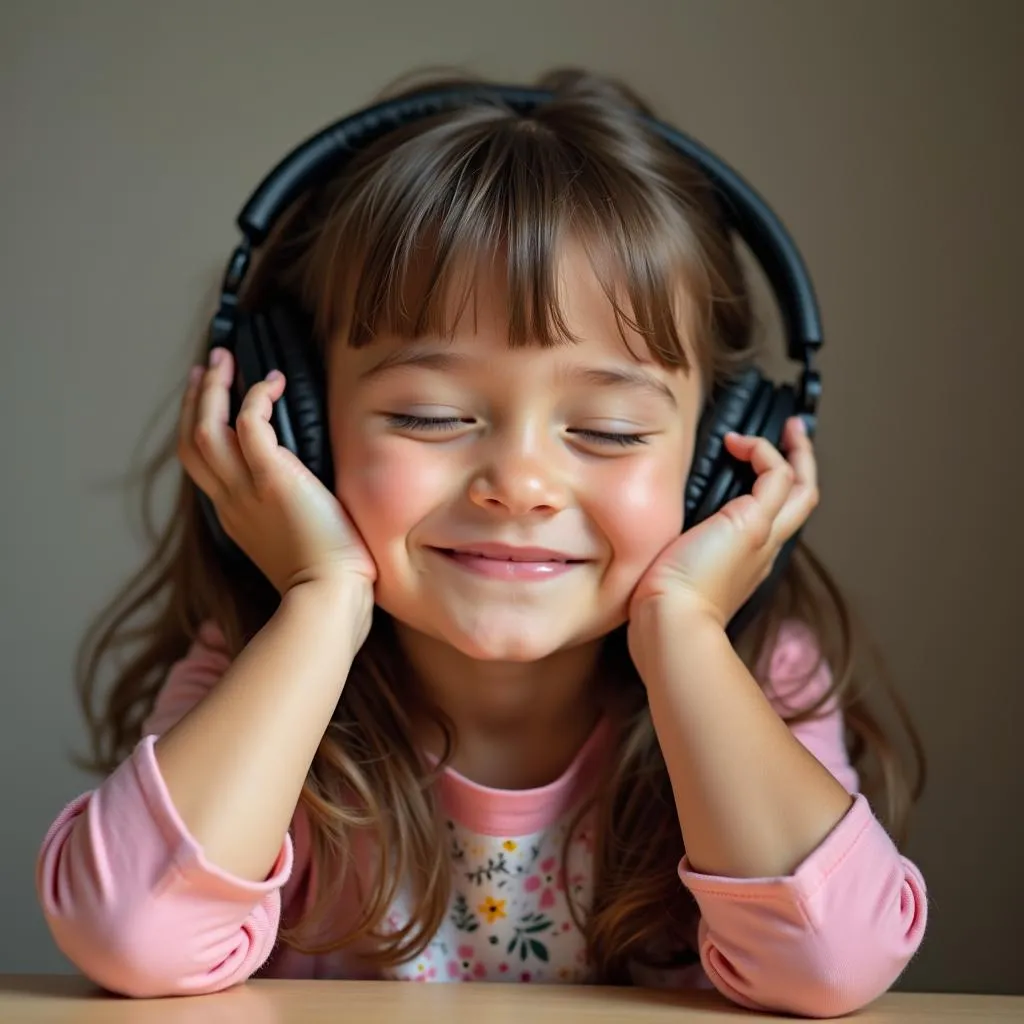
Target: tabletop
67	999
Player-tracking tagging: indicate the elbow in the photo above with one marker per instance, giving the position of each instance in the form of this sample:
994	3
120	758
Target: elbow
141	959
137	939
825	974
121	962
144	921
822	984
816	989
828	990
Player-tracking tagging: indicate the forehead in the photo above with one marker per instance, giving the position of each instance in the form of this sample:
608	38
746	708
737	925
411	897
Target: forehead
589	334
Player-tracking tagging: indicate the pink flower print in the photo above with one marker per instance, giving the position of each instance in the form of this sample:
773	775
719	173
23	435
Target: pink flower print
551	880
464	967
503	968
525	976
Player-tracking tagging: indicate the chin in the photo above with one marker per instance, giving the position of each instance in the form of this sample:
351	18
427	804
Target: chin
522	640
501	646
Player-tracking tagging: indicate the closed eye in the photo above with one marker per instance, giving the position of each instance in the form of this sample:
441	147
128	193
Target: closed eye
405	421
601	437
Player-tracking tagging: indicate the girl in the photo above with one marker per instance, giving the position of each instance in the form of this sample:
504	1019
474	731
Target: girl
462	720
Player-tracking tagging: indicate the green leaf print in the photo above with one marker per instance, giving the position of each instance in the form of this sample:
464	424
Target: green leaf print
494	867
462	917
530	924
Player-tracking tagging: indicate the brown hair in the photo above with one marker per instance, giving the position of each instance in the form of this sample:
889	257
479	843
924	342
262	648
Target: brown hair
464	185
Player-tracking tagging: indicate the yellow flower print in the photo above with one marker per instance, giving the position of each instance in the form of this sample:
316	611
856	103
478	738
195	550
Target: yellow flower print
510	845
492	909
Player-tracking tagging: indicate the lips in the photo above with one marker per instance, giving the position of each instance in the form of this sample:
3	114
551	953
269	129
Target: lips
508	553
507	564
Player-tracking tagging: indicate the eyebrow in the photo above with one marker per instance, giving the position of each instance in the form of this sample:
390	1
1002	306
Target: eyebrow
600	376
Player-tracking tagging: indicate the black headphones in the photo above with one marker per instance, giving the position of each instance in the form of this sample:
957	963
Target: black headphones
280	336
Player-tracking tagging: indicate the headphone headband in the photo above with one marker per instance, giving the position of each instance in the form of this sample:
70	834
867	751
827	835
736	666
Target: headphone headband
746	211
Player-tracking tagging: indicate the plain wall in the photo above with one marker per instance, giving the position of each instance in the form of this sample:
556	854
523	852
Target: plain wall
886	135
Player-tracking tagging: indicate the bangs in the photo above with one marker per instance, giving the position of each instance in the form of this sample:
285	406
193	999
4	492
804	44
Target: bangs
411	229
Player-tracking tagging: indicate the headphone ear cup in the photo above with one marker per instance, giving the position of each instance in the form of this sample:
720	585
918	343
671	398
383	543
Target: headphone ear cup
253	361
280	338
725	411
742	405
302	408
780	404
249	356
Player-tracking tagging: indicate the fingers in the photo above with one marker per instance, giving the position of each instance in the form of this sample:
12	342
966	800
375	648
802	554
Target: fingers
256	437
214	439
207	446
222	460
774	474
188	453
803	498
800	452
786	488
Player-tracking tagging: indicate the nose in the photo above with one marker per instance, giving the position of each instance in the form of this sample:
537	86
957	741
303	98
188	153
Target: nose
519	480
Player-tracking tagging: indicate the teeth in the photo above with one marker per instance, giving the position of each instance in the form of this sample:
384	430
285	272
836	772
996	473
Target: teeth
480	554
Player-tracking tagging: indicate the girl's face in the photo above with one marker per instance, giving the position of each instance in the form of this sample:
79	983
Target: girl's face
512	498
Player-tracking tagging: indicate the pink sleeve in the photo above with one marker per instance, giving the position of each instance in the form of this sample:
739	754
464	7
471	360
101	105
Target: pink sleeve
127	892
838	932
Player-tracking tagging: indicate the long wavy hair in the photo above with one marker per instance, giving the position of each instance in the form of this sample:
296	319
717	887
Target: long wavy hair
468	184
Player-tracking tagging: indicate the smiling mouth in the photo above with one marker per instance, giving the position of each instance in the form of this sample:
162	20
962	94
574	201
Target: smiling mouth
538	558
510	566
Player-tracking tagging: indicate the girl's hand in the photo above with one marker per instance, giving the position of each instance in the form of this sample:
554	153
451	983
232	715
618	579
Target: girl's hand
291	526
717	565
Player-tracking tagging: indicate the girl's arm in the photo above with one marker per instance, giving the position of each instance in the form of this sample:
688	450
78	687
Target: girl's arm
125	876
806	905
234	766
753	802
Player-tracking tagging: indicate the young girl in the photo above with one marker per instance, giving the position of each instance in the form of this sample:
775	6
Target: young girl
461	722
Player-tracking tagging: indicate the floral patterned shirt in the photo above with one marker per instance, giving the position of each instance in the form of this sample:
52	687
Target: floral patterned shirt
131	899
509	914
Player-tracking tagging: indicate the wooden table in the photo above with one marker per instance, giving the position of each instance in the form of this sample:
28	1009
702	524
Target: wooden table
65	999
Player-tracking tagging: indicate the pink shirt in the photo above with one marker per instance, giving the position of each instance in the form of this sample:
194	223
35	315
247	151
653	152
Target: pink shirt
133	902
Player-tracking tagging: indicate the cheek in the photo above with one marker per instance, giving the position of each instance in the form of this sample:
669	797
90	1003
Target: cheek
387	487
642	513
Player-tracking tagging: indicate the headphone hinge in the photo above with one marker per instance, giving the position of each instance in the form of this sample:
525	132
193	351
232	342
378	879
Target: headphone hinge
809	393
222	323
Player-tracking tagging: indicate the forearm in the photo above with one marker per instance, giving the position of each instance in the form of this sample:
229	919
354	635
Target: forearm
234	766
752	801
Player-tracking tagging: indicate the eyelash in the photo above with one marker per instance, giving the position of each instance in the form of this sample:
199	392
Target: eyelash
404	421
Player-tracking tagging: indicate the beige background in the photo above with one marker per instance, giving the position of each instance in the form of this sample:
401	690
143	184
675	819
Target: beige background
886	134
